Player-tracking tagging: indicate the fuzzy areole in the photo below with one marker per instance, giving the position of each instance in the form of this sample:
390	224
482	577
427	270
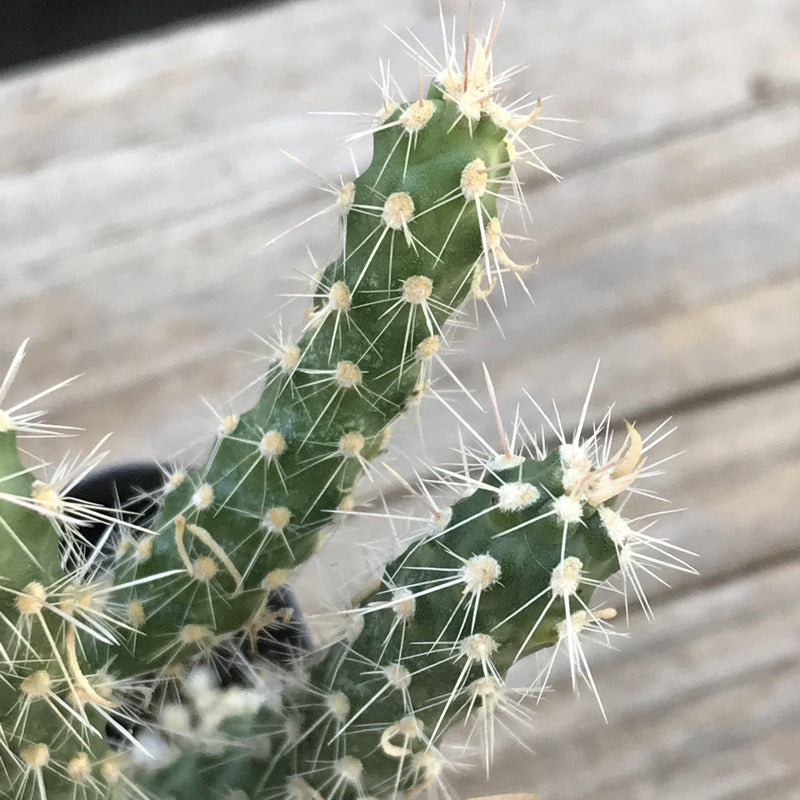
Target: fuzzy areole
170	630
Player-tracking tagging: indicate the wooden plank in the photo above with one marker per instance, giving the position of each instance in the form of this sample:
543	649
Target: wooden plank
667	295
143	81
627	69
664	331
166	169
702	705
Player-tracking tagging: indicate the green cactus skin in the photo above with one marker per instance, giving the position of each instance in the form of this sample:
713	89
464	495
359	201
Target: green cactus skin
51	741
509	570
459	639
416	223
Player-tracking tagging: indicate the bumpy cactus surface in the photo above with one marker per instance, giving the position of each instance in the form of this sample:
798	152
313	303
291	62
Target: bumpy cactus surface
116	675
414	226
52	712
508	570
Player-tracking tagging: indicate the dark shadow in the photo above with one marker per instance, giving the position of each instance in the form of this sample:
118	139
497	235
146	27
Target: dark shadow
31	30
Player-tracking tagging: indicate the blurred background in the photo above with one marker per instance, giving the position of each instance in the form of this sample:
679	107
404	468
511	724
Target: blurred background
36	30
141	177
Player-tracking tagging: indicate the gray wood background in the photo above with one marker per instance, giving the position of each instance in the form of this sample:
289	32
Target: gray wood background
139	184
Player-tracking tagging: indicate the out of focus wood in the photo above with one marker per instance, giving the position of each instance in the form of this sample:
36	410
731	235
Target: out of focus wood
139	184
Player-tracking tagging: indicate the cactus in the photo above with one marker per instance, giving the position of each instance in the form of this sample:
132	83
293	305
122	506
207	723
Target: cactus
414	225
52	713
112	645
508	570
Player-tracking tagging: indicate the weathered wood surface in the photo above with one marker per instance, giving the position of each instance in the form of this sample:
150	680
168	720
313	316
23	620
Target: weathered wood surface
139	184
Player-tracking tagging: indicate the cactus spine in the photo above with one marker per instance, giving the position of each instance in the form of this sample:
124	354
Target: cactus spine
414	226
115	642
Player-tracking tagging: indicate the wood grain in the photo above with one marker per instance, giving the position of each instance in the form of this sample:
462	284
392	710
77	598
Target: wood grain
140	183
702	703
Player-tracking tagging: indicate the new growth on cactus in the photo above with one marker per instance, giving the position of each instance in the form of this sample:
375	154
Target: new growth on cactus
115	676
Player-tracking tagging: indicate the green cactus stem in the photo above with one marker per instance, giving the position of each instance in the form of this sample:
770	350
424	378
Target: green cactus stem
53	710
415	225
508	570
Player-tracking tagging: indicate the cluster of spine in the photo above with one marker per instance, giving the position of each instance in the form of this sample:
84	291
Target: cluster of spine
53	709
508	570
419	230
121	644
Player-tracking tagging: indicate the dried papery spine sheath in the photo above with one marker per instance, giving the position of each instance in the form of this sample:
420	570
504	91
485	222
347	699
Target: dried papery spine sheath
412	239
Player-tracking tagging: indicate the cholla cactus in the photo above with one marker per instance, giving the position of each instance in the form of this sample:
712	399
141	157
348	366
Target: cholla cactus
116	645
419	230
52	712
509	569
